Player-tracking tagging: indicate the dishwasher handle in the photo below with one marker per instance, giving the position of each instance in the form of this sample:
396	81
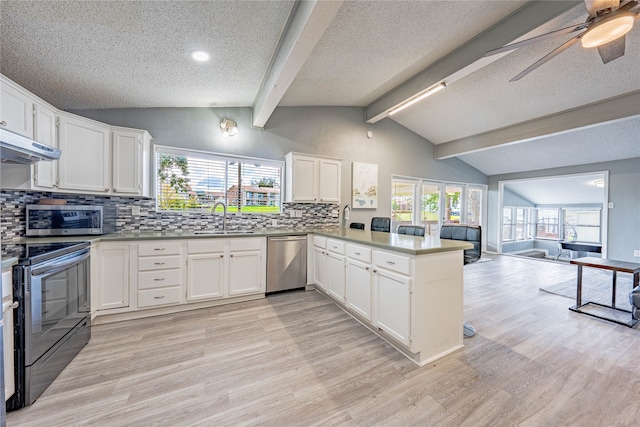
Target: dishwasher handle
287	238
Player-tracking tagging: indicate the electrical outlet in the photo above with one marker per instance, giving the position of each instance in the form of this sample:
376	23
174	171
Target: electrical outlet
610	205
636	252
135	210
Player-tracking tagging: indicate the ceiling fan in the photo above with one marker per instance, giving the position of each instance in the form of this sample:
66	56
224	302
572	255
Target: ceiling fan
605	28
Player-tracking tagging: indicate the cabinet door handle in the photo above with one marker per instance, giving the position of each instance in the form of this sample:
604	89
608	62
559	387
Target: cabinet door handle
3	123
366	268
158	297
15	304
231	256
391	263
159	280
375	271
357	253
158	249
115	190
158	263
221	256
106	190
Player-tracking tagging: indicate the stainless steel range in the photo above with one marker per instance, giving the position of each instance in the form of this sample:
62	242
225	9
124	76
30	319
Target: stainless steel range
53	319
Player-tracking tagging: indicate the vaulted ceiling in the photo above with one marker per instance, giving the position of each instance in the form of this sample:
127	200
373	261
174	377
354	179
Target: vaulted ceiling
372	54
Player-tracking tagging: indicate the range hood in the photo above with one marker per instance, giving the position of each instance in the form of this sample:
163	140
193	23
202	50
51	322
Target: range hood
15	148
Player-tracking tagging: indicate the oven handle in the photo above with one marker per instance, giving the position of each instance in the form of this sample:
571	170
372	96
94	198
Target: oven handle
56	265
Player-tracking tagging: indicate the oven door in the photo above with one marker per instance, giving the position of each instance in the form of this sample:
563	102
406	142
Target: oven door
57	299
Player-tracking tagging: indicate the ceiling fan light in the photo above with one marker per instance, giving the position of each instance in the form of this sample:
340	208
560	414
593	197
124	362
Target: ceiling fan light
608	29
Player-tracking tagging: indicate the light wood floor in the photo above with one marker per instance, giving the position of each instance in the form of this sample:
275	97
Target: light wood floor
298	360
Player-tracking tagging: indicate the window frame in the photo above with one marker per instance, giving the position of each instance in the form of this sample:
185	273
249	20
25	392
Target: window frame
214	156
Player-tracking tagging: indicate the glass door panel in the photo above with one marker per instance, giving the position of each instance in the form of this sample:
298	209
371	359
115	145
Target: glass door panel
474	206
430	209
452	204
402	206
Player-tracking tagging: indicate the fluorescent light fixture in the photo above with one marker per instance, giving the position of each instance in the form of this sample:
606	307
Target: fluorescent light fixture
417	98
609	29
200	56
228	127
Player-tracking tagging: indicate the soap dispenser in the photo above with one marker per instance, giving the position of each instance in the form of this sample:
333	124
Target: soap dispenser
345	215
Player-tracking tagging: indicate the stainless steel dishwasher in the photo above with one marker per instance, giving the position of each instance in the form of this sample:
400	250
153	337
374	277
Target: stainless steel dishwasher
286	263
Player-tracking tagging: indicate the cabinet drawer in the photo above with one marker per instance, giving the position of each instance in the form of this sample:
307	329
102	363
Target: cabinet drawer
359	252
158	279
245	244
320	242
158	263
204	246
161	247
393	262
336	246
153	297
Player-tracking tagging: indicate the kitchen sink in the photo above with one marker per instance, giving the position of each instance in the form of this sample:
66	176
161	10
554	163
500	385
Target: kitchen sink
219	232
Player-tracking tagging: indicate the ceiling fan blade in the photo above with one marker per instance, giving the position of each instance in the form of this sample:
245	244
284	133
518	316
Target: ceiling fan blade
548	57
516	45
612	50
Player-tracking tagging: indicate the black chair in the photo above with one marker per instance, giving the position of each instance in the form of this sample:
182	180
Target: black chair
357	225
467	233
381	224
413	230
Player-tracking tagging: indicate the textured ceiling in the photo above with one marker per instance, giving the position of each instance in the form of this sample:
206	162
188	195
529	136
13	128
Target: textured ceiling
119	54
105	54
373	46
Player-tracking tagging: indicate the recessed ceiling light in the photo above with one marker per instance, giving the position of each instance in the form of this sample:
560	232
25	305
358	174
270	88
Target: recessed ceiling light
200	56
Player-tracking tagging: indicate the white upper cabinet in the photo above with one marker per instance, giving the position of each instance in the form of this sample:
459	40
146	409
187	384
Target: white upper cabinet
312	179
130	162
85	161
96	158
16	108
45	174
329	182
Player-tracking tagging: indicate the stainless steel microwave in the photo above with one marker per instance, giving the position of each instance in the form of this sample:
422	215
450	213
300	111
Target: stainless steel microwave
67	220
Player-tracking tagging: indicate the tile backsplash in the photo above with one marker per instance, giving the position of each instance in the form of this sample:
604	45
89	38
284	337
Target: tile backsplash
13	202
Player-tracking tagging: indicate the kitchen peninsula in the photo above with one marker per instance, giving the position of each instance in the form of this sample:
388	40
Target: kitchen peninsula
406	289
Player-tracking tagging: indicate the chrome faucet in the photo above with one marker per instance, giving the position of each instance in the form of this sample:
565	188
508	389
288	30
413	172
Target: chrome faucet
224	213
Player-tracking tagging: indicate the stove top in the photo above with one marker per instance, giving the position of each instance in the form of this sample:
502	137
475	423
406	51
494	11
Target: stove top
32	253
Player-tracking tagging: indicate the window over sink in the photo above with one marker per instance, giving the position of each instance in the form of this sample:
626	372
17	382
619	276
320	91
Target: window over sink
190	180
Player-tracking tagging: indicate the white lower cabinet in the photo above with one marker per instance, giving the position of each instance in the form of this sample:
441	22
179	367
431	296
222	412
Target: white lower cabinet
412	300
336	269
359	284
393	304
392	286
245	273
113	275
160	273
205	276
170	274
320	262
359	288
219	268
